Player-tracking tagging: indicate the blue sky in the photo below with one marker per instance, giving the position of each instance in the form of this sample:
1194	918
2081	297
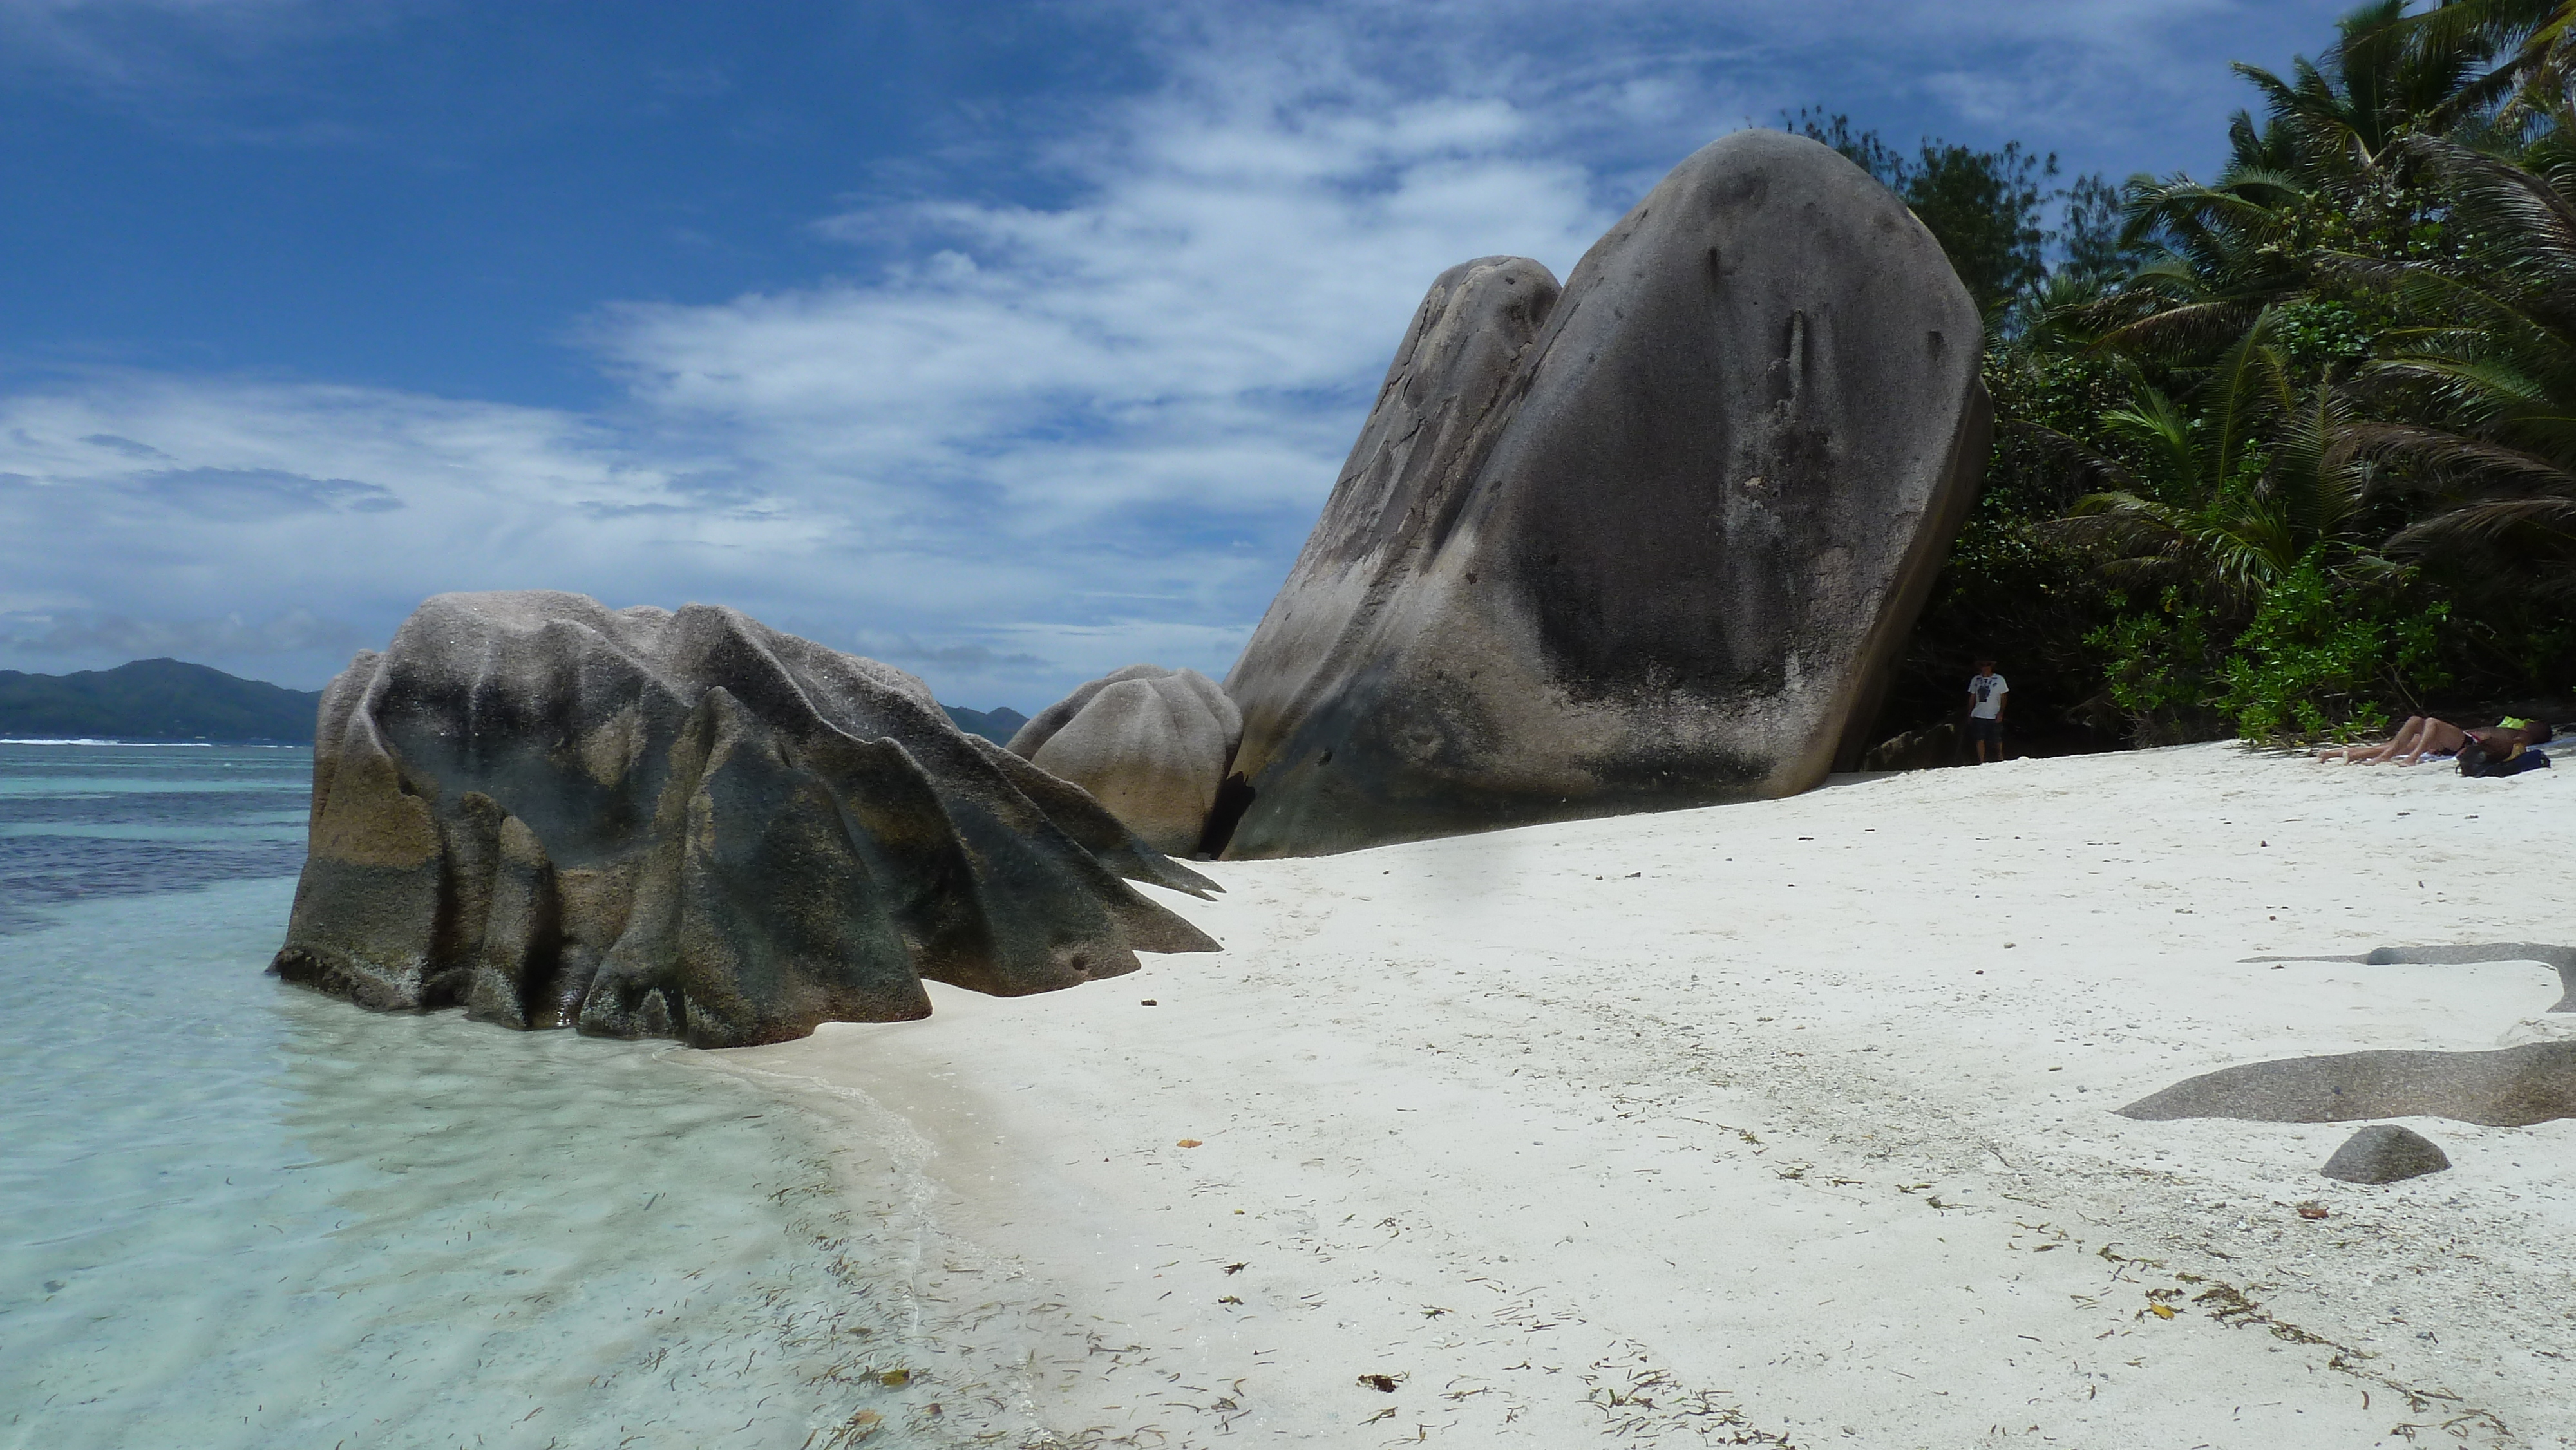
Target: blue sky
1008	343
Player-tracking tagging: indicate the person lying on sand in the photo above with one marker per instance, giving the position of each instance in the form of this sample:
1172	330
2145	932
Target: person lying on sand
2420	736
2423	735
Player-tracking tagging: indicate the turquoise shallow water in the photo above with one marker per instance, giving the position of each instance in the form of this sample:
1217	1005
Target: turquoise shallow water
236	1214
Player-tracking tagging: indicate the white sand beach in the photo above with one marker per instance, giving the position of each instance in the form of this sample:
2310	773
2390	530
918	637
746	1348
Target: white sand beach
1784	1123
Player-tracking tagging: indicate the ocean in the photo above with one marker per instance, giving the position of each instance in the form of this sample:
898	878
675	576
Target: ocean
234	1213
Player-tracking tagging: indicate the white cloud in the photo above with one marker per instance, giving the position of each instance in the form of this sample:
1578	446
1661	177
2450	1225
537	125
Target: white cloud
87	636
127	497
1234	254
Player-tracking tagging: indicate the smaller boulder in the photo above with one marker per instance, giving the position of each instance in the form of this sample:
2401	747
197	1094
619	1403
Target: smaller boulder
1151	745
1929	748
2385	1153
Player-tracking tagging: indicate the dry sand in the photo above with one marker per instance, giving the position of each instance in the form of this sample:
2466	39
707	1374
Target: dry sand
1776	1123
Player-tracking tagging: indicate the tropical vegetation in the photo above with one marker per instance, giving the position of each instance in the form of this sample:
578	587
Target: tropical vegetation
2291	450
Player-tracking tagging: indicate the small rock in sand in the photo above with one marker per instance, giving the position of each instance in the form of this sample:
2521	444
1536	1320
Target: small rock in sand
2385	1153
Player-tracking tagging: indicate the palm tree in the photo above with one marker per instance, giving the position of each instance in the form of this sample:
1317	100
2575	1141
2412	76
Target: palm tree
2530	47
2480	398
2325	161
2238	541
2221	253
2231	500
2384	77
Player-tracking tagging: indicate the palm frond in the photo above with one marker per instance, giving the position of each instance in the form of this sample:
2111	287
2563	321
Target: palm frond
2250	385
2491	523
2186	327
2437	458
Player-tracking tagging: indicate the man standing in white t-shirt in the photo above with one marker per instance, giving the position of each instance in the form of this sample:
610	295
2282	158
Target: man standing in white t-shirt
1986	691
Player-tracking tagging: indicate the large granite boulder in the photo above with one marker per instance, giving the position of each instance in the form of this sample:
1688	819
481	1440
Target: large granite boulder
1150	744
636	822
1648	543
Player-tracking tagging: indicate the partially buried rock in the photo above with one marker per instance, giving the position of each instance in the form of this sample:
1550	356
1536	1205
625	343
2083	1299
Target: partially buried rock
2385	1153
1150	744
637	822
2561	960
1650	542
2511	1087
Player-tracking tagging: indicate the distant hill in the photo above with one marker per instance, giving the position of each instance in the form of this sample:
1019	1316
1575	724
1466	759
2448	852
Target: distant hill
155	700
997	726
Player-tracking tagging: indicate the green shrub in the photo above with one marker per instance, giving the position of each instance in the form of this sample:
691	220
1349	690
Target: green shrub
2320	656
2158	664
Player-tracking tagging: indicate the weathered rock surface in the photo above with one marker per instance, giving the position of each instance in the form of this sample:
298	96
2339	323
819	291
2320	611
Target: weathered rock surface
636	822
1646	543
2385	1153
1150	744
2511	1087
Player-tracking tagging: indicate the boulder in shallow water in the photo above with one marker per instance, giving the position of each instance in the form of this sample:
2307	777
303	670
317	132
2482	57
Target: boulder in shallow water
2386	1153
1150	744
637	822
1652	541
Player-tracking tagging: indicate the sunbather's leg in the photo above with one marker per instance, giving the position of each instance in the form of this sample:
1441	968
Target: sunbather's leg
2396	744
2439	737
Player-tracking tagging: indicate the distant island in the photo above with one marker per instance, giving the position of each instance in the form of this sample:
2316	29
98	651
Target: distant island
155	700
172	700
997	726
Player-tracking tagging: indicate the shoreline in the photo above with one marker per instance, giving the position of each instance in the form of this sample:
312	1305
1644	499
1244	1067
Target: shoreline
1786	1122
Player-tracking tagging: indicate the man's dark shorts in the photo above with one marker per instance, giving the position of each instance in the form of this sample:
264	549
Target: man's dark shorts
1985	732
